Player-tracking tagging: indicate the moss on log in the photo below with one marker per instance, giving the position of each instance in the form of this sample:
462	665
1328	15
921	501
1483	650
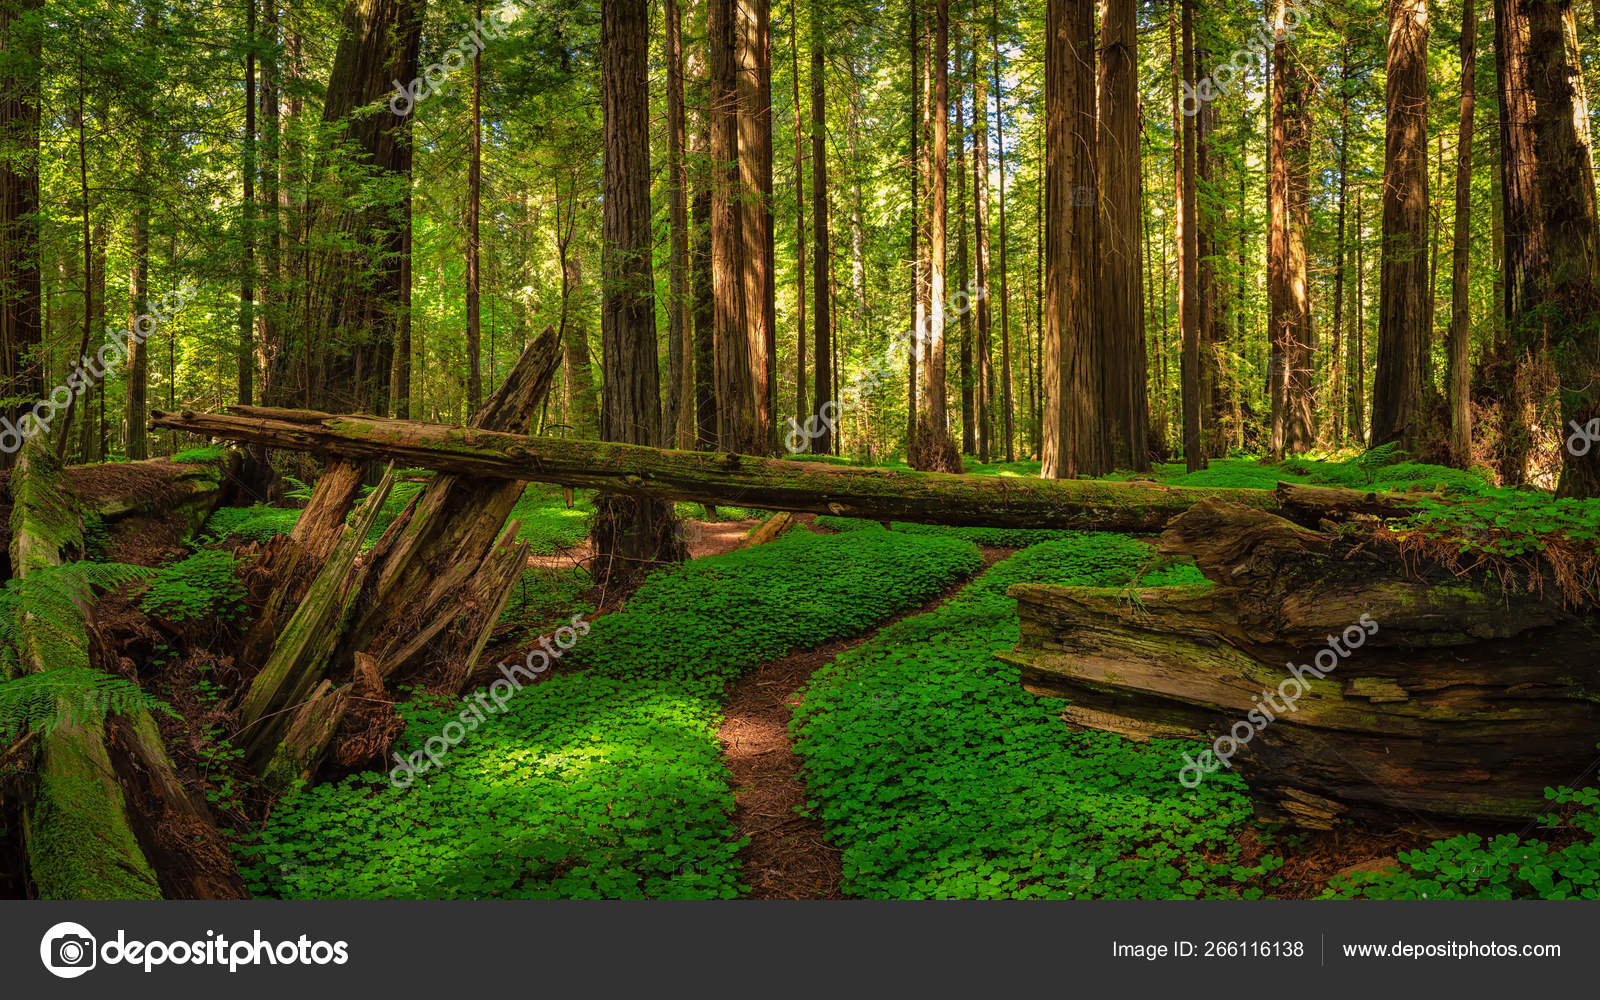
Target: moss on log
1456	700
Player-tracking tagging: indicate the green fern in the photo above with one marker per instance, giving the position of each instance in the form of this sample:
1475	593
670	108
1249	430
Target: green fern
42	702
41	621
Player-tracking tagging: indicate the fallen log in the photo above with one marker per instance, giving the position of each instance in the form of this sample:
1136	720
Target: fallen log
432	586
106	800
711	478
1450	699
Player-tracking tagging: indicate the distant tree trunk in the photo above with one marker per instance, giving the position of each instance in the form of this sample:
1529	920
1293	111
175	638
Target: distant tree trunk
1121	267
585	405
679	416
980	216
704	315
21	326
246	351
754	93
919	315
1288	276
1189	291
1570	290
269	305
1358	406
474	200
799	219
1339	402
1404	317
969	396
823	395
1213	393
736	402
932	450
1460	319
1006	409
1523	329
1073	432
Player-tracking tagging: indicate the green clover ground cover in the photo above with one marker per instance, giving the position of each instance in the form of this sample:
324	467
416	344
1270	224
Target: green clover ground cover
606	781
939	777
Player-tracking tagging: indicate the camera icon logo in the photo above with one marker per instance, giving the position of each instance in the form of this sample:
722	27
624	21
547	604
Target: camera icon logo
68	950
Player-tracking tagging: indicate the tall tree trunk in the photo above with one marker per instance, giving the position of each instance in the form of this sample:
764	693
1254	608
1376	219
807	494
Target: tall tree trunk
679	415
629	531
799	220
1073	432
1523	333
980	215
1358	405
1570	292
356	297
1006	409
1288	276
1121	267
21	326
474	203
933	450
1189	290
754	91
1404	317
1460	320
246	350
919	315
969	396
823	395
1339	402
736	402
269	305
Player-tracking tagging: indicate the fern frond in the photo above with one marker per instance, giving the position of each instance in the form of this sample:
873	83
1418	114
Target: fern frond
42	611
41	703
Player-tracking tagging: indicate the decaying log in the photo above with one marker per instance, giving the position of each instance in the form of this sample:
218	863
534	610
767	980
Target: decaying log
767	530
1456	700
107	800
432	586
764	483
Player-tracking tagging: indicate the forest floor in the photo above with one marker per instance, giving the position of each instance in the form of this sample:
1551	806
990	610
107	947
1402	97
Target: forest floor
788	854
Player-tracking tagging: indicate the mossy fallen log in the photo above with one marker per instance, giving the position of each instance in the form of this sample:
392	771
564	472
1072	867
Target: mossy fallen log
1339	681
709	478
106	799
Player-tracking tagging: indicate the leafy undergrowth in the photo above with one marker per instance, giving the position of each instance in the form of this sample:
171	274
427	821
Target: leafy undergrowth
939	777
606	781
1000	538
1507	866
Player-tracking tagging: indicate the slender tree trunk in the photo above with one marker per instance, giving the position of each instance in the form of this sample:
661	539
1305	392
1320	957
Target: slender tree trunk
1189	290
1340	404
1006	409
932	449
799	220
980	215
969	396
246	351
1523	328
821	270
1073	432
1121	266
474	200
1404	316
918	268
680	323
269	305
736	400
1460	319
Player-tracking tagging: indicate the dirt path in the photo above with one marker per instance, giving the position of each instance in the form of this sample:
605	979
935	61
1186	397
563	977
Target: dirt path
788	856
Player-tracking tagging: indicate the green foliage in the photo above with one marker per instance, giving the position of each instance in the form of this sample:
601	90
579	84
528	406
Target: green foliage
1503	867
53	598
41	621
256	523
204	585
604	782
941	778
1003	538
201	456
42	702
548	524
